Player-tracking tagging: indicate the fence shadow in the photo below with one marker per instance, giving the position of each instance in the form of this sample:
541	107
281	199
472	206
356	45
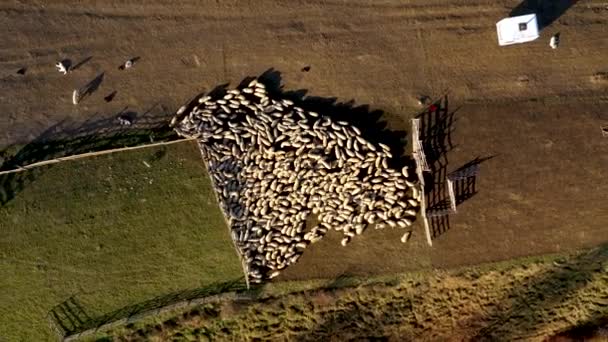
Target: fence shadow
343	280
547	11
465	179
68	138
69	317
436	128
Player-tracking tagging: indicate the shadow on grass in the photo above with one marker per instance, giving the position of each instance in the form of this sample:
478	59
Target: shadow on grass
594	329
347	324
69	317
66	139
351	316
530	304
521	314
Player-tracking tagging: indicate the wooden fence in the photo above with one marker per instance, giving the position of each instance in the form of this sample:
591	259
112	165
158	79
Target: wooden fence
88	154
421	166
182	305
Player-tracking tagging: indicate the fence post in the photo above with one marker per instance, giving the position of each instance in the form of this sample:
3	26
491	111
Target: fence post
421	165
88	154
451	194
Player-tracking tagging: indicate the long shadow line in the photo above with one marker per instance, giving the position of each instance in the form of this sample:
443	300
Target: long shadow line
65	139
71	318
542	293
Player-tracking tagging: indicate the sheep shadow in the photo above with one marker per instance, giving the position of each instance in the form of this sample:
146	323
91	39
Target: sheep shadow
81	63
372	122
132	60
88	89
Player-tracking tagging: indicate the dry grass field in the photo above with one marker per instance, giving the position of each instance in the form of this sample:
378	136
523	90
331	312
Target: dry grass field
554	298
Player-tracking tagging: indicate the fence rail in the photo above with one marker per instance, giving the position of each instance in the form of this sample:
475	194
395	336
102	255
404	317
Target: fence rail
421	166
244	264
451	194
183	305
89	154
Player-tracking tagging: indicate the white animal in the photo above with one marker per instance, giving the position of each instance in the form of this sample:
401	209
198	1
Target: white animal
75	97
124	120
62	68
554	42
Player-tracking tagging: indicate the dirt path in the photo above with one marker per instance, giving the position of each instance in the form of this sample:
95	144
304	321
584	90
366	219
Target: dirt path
381	53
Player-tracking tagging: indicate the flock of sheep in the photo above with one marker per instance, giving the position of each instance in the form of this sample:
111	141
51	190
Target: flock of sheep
284	176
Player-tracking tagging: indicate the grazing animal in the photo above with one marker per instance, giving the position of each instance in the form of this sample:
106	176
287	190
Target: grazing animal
62	67
554	41
75	97
125	120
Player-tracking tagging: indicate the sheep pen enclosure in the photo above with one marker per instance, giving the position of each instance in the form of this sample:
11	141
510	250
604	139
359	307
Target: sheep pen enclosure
276	167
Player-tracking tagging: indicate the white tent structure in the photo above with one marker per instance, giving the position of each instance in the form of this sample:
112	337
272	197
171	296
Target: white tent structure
517	30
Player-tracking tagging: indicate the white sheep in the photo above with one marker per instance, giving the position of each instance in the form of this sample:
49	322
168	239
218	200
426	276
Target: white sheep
62	68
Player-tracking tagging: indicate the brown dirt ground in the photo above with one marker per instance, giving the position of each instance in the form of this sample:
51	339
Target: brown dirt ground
537	111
